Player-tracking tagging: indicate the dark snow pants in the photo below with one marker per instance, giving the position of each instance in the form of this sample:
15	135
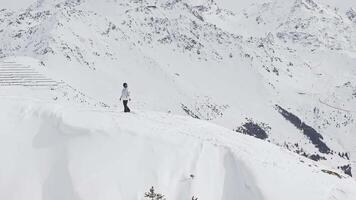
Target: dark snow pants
126	108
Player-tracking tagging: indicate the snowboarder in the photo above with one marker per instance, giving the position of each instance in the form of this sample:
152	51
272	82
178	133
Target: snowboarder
125	97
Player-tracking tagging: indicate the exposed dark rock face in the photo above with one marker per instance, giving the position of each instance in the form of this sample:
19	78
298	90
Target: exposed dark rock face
315	137
331	173
189	112
344	155
346	169
316	157
351	14
254	129
297	149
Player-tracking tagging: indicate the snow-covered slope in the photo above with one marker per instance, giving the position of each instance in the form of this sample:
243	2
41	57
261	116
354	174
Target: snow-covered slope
55	152
282	70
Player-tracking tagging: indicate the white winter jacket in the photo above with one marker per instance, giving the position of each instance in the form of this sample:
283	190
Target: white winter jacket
125	94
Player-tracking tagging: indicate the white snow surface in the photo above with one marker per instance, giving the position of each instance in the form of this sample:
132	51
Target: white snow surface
64	152
233	63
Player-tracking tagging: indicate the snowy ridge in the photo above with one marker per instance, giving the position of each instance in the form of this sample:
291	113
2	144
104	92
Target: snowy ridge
302	62
71	156
280	70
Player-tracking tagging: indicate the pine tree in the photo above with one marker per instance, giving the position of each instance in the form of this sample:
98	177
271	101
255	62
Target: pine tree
152	195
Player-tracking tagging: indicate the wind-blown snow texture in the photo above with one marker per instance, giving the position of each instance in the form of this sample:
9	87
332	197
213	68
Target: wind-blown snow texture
55	152
246	65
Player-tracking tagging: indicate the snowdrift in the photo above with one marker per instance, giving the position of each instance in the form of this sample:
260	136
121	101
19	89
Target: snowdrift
60	152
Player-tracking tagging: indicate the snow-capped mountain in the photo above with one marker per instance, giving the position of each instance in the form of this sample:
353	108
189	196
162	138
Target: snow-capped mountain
280	70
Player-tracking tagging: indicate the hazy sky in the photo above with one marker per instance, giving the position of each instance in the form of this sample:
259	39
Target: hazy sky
15	4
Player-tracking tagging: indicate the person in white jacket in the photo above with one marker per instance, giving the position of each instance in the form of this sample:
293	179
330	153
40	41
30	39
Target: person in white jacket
125	97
